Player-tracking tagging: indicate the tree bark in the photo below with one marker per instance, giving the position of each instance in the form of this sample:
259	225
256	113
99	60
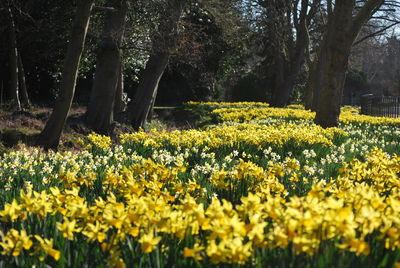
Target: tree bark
119	103
100	113
341	33
164	42
317	77
13	59
281	40
22	83
308	91
295	64
281	65
49	138
295	57
139	108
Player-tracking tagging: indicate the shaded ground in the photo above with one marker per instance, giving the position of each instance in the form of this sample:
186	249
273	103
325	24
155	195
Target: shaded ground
24	126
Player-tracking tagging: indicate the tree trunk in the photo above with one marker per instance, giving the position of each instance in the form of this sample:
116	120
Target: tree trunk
281	33
99	116
308	91
139	107
294	62
22	83
282	99
119	103
297	62
317	77
280	70
330	96
13	58
50	137
164	42
341	33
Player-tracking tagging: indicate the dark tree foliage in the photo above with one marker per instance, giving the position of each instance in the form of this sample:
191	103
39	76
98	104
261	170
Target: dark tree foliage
251	50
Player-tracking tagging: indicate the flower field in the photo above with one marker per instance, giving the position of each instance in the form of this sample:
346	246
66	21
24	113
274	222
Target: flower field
262	187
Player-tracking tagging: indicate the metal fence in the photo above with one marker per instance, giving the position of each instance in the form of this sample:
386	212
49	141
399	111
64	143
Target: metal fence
380	105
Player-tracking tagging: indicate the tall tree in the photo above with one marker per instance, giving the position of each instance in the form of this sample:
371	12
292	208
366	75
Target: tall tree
50	136
120	102
13	59
310	84
164	41
345	20
17	91
287	26
375	28
22	83
100	111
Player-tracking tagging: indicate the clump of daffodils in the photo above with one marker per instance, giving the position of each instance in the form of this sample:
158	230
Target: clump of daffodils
223	195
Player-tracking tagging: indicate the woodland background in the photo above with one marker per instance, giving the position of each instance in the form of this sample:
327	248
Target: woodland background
120	58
